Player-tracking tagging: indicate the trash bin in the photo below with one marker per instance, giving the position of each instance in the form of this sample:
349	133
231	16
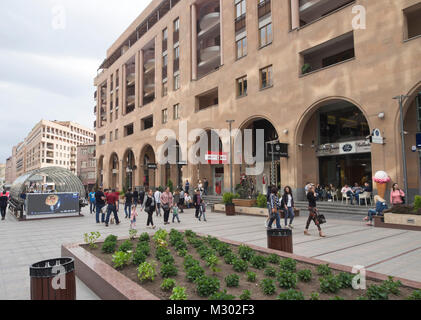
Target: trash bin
280	239
53	279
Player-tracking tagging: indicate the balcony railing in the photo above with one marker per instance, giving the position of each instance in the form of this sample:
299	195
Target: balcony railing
264	8
240	23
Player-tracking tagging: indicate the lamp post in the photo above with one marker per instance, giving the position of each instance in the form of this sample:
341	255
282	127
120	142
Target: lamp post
401	99
230	122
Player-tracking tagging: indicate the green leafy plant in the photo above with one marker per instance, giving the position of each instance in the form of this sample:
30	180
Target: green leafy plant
245	252
337	298
246	295
138	257
232	281
287	280
161	234
161	252
315	296
417	203
230	258
375	292
227	198
288	265
223	249
195	272
261	201
291	295
220	296
168	270
251	276
182	252
168	284
144	237
146	272
258	262
111	238
126	246
195	242
109	247
268	286
392	287
204	252
213	242
190	234
329	284
415	295
212	262
180	245
144	248
91	239
305	275
324	270
167	259
345	279
274	258
306	68
121	259
178	294
171	186
206	286
240	265
132	234
189	262
270	272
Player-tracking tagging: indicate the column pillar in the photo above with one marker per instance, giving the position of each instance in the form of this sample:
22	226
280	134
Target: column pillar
123	90
221	24
194	40
141	77
295	14
136	85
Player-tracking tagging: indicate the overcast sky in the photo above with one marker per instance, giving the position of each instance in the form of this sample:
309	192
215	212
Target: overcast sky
50	51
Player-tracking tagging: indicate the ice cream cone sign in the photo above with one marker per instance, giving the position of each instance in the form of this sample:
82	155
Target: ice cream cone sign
381	179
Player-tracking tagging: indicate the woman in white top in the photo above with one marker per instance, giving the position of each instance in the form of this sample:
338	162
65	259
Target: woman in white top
287	203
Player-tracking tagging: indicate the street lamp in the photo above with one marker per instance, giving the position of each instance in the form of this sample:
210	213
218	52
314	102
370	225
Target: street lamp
401	99
230	122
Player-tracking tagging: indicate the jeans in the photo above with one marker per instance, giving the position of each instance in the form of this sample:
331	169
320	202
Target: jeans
278	221
202	213
175	217
92	207
150	219
197	206
166	215
112	208
128	206
98	211
351	196
3	212
289	214
158	209
372	213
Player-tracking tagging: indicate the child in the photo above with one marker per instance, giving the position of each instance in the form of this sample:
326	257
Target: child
133	216
175	214
202	211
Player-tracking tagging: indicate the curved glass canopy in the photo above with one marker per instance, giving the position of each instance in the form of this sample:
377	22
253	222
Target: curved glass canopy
63	180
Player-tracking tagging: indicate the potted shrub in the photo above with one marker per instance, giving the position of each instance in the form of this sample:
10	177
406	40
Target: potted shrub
244	198
229	205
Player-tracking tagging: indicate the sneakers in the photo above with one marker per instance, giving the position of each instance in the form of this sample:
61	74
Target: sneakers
291	226
106	225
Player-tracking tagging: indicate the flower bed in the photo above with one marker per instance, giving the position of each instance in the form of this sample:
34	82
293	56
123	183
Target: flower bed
188	266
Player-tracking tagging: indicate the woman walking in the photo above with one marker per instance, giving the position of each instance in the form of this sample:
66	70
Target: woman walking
274	212
397	196
149	206
167	204
312	212
289	206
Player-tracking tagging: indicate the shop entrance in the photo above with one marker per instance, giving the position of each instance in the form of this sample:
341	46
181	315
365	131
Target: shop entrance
218	178
345	169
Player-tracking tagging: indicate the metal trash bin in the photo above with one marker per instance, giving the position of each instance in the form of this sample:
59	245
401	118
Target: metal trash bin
280	239
53	279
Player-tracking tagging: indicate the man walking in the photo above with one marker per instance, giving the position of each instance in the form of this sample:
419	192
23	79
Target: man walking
197	199
167	204
113	204
187	187
128	204
92	201
135	197
99	204
157	197
206	186
4	199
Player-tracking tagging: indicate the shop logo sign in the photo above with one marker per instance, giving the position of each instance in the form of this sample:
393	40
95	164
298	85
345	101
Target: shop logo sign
347	148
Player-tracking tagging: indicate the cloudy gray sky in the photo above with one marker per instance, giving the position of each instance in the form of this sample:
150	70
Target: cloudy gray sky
48	59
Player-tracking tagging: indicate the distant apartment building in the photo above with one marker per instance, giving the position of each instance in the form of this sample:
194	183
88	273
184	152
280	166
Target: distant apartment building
49	144
2	175
86	165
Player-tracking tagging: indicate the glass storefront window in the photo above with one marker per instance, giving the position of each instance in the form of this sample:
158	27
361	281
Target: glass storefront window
341	122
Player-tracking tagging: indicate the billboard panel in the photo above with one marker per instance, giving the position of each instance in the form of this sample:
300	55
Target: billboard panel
52	204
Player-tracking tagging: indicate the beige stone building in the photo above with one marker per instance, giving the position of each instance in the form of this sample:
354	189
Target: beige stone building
2	175
319	76
49	144
86	165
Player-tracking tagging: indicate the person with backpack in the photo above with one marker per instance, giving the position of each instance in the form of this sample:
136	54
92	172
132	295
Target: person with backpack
288	205
313	212
149	207
4	199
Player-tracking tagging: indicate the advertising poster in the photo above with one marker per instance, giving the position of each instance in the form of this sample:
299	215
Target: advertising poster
52	204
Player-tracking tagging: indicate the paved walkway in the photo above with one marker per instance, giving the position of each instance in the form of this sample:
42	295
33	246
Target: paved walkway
349	242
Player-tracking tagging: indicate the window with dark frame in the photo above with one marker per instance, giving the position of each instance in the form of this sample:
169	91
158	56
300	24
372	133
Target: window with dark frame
266	77
265	35
242	86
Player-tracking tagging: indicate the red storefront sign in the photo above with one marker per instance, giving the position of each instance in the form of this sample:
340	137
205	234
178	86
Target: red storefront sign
216	157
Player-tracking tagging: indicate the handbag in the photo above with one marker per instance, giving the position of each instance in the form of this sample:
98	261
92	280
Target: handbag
321	219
